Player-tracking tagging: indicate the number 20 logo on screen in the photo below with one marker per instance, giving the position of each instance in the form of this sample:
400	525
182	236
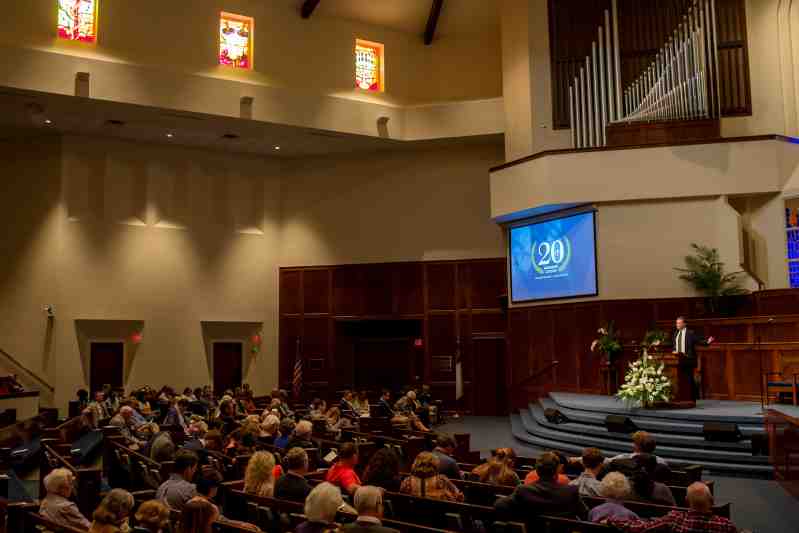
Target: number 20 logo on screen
550	257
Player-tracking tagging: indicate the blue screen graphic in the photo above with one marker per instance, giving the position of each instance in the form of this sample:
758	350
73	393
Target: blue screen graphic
553	259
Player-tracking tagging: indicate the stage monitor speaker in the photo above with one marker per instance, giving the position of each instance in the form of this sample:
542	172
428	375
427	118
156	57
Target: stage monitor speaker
760	444
721	432
620	424
554	416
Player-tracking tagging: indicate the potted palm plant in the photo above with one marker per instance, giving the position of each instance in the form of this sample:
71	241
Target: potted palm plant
705	272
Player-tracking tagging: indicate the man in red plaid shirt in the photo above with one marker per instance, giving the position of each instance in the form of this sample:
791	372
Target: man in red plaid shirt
699	519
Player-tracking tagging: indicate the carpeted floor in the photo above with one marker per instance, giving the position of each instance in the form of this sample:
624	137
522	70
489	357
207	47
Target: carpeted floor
758	505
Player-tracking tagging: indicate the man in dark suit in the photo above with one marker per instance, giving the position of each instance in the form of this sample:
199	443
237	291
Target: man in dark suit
685	342
545	496
384	408
369	504
292	485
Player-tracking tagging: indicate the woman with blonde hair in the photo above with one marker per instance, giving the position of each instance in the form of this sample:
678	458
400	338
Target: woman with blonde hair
153	516
259	477
111	516
499	469
426	482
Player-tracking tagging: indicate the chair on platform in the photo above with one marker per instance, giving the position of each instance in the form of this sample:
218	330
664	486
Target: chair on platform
783	383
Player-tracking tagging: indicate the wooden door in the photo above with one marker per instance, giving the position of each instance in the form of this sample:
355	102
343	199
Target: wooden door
383	363
489	360
106	364
228	365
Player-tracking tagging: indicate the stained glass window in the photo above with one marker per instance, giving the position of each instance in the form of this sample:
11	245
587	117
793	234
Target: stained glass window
77	20
369	65
235	40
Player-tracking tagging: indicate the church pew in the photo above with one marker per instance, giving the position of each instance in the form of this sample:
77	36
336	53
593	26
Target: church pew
88	480
272	514
129	469
554	524
406	448
653	510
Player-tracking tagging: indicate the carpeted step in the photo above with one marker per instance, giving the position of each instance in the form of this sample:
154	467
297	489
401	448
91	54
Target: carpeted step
662	438
521	423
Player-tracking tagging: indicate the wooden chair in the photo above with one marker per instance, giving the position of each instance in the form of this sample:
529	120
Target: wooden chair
783	383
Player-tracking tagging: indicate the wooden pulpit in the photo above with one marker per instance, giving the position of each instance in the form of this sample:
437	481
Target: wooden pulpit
680	372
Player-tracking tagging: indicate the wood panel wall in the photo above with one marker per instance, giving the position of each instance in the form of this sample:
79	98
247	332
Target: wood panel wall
643	28
456	302
458	306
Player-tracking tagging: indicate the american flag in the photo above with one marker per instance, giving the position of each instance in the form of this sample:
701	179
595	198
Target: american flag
296	380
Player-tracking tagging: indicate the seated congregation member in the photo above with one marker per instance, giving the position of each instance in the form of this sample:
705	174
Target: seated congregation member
127	427
345	405
445	453
321	507
383	470
369	504
83	399
643	442
177	413
99	407
342	473
645	488
615	488
408	406
287	426
336	421
198	516
270	429
698	519
545	496
499	469
361	404
259	478
426	482
161	447
111	516
207	489
179	488
318	408
587	482
197	431
111	399
384	408
292	485
56	506
562	478
302	436
153	516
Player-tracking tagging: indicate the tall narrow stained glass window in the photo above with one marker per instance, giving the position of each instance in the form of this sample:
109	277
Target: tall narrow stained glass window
369	66
77	20
236	40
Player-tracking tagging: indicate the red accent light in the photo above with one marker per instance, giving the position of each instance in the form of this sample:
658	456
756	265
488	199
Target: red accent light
418	343
256	339
136	338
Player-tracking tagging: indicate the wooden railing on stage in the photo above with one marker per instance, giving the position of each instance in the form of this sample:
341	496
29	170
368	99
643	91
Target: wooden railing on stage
783	431
765	328
732	370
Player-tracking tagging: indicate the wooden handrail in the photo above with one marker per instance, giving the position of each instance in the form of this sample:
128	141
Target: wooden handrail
29	372
537	374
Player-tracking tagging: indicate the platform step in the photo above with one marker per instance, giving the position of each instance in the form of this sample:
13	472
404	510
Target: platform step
568	443
596	428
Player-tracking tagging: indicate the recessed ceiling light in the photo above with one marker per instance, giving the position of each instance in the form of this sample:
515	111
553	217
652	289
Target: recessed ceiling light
277	147
170	135
48	121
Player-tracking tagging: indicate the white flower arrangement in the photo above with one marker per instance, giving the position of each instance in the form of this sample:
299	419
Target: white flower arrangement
645	383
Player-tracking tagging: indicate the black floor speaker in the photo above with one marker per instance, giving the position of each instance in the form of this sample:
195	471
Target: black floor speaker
554	416
620	424
721	432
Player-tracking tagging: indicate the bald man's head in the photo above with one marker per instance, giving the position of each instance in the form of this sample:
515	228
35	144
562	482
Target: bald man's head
699	498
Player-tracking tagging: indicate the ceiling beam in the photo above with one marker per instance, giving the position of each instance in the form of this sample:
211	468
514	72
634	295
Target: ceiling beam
432	21
307	8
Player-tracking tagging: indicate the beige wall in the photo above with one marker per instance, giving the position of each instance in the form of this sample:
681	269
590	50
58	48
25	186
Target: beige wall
118	231
410	206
